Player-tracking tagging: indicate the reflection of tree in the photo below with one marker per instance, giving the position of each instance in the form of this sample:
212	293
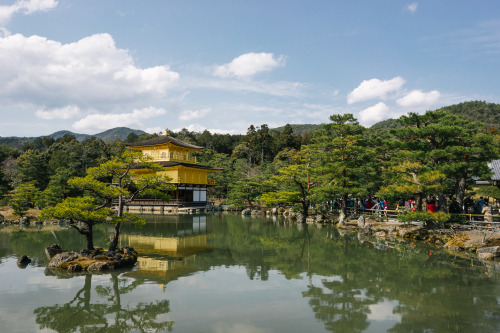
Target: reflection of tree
448	306
80	314
340	303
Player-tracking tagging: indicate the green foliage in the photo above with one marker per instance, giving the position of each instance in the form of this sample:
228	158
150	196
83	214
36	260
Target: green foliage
426	217
23	198
81	209
282	197
246	190
489	191
343	158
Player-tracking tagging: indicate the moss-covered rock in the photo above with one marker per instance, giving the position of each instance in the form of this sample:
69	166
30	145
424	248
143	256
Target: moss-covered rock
97	260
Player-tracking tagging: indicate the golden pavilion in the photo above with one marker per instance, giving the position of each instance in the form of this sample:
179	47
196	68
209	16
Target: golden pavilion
189	179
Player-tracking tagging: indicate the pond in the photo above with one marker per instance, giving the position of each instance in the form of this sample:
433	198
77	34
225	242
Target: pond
227	273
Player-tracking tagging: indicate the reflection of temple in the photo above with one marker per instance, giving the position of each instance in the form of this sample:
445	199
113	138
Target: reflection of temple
168	250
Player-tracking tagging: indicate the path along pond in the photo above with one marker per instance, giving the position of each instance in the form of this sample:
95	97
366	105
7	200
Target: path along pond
227	273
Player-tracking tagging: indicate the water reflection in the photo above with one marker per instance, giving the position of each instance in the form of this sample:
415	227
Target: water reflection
265	274
104	313
168	246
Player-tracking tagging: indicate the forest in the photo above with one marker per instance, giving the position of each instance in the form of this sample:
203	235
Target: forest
440	153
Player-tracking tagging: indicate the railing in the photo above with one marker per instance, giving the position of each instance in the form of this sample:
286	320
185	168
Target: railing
474	220
182	158
157	156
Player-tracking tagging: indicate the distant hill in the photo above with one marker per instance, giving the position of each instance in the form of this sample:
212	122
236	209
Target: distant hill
114	134
487	113
385	125
300	128
60	134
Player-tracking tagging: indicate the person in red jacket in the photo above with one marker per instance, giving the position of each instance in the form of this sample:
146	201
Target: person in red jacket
431	207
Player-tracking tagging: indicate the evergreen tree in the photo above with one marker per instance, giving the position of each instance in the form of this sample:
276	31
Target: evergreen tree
343	157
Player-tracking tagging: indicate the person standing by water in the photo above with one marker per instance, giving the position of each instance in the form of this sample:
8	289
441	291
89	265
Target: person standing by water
487	211
478	209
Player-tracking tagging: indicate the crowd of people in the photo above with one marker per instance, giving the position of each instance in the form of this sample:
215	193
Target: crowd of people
479	210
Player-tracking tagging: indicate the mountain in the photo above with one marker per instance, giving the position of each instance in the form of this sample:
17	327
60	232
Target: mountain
79	137
300	128
114	134
487	113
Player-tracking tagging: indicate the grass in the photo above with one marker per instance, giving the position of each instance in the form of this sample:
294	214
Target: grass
8	213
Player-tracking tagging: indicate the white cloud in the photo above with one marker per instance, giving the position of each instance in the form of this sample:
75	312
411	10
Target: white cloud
249	64
374	88
419	98
194	114
92	71
26	7
106	121
66	112
200	128
374	114
412	7
280	88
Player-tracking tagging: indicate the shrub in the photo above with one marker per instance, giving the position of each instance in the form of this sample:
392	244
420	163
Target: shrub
428	218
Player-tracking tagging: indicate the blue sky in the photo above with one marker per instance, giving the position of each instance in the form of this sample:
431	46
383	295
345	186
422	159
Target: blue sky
87	66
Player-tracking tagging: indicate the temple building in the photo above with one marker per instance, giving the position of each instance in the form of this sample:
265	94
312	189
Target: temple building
189	179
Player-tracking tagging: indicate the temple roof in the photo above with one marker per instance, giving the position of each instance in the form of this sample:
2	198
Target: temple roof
196	166
495	168
175	163
161	140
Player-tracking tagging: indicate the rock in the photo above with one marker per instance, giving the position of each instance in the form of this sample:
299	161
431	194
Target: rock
100	266
23	261
361	222
380	234
75	268
128	250
402	231
310	220
286	213
365	231
451	247
274	211
341	219
24	220
300	218
486	256
52	250
319	218
246	211
127	261
62	258
489	252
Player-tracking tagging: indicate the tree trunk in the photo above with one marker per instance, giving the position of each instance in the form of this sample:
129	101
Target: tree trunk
443	203
114	242
250	203
461	190
89	236
420	200
343	204
305	208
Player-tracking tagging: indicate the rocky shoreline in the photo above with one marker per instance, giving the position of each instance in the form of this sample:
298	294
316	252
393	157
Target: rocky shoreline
90	260
458	238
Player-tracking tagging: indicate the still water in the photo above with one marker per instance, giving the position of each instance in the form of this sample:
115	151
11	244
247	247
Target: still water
227	273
